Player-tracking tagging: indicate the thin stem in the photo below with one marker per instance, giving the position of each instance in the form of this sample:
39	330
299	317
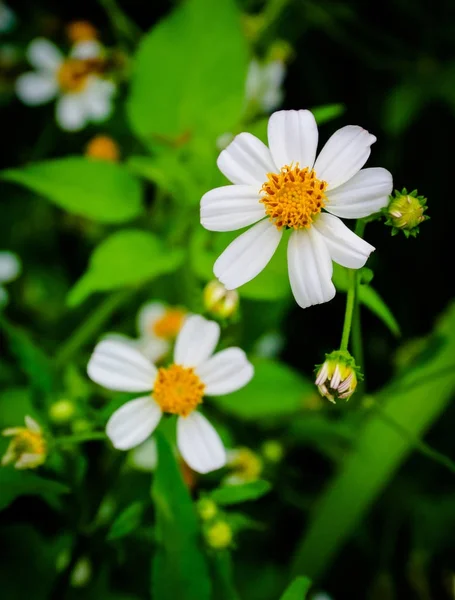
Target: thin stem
357	341
90	326
80	438
125	27
350	301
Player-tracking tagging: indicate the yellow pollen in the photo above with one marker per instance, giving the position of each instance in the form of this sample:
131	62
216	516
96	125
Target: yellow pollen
74	72
30	442
169	324
178	390
293	197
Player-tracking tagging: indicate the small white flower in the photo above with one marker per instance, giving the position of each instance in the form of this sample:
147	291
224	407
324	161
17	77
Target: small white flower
83	94
10	268
263	84
7	18
177	389
286	187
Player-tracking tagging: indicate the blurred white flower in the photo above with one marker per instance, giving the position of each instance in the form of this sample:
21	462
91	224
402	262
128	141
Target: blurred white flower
263	84
83	94
177	389
10	268
27	448
7	18
287	187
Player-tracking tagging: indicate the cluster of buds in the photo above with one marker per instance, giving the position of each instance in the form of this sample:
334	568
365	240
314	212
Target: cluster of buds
217	532
219	302
337	377
28	448
405	212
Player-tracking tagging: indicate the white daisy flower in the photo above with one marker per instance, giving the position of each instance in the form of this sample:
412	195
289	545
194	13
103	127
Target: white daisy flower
287	187
263	84
10	268
177	389
83	94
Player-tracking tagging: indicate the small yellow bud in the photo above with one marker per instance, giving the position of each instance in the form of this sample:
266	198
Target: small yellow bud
253	25
103	147
219	535
273	451
280	50
28	448
81	31
62	411
206	509
337	376
220	302
405	212
245	466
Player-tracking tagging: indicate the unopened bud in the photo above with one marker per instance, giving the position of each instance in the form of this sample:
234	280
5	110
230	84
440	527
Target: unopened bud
62	411
405	212
219	535
103	147
206	509
272	451
337	377
220	302
245	466
81	31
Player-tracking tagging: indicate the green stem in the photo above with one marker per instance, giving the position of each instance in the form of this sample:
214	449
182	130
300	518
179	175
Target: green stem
357	341
350	301
90	326
125	27
80	438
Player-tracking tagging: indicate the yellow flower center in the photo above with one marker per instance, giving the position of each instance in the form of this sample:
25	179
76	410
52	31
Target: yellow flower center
293	197
28	442
81	31
169	324
73	74
104	148
178	390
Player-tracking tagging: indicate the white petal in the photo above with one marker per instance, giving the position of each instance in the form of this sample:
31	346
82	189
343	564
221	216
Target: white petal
44	55
87	49
225	372
293	138
363	195
247	255
253	80
31	424
231	207
310	268
117	366
71	113
199	443
10	266
345	247
97	99
133	423
145	456
153	348
246	161
148	315
196	341
344	155
36	88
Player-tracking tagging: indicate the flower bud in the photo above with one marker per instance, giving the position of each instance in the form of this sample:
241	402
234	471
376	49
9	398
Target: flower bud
206	509
62	411
405	212
220	302
272	451
337	376
103	147
28	448
81	31
219	535
245	466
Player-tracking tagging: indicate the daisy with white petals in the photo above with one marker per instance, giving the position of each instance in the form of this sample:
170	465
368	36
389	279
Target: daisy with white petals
287	187
83	94
177	389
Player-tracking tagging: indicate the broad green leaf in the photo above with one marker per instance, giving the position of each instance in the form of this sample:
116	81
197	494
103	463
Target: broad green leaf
179	566
234	494
15	403
127	521
189	74
95	189
297	590
272	284
275	391
405	409
126	258
15	483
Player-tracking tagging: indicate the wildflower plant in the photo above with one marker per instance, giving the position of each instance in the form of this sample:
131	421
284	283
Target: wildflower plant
195	237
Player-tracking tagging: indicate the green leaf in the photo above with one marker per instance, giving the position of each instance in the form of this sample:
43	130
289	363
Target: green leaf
127	521
126	258
23	483
327	112
179	566
15	403
405	409
95	189
234	494
189	73
297	590
275	391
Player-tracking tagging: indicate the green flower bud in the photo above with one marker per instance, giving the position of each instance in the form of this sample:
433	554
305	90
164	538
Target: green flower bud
62	411
272	451
219	535
405	212
337	377
220	302
206	509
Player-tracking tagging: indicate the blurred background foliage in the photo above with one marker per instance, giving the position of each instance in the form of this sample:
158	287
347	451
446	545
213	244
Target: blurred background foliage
362	496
